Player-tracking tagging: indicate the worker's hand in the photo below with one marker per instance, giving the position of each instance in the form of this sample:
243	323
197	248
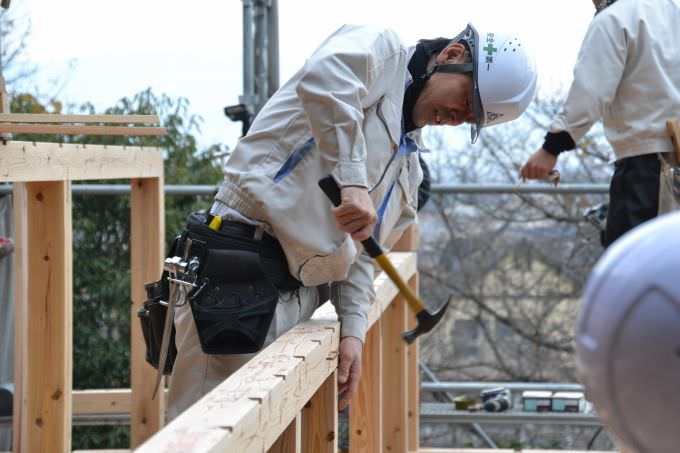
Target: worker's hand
539	165
356	213
349	369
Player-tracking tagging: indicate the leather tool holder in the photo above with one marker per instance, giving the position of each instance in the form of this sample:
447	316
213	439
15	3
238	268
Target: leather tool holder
235	302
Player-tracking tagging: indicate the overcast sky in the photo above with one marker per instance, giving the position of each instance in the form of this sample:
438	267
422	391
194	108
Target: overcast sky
105	50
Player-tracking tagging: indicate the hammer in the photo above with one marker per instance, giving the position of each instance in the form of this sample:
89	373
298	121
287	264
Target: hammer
426	320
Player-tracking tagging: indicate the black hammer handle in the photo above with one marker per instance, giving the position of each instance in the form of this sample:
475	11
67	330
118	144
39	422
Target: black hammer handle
332	191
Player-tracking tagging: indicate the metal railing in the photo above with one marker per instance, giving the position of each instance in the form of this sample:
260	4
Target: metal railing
188	190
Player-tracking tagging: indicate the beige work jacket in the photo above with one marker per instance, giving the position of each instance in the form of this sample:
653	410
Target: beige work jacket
340	114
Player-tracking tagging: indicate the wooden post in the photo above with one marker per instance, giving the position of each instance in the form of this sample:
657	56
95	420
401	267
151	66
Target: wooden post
395	379
44	329
290	440
413	386
320	419
409	242
147	252
365	414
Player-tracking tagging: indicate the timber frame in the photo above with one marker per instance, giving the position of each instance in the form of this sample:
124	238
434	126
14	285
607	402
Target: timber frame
42	174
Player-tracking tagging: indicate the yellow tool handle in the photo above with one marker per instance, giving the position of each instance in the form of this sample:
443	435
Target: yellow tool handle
413	301
674	133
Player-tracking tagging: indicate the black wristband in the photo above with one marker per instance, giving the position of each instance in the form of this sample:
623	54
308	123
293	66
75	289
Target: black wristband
556	142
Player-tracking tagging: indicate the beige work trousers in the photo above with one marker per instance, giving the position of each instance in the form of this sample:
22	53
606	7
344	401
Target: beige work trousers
196	373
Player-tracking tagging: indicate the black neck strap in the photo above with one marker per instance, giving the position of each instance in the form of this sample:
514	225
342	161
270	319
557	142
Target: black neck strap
450	68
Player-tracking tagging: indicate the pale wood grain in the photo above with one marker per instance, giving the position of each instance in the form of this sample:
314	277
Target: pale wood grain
14	128
365	414
673	130
395	375
45	323
58	118
290	441
413	379
251	409
320	419
26	161
146	253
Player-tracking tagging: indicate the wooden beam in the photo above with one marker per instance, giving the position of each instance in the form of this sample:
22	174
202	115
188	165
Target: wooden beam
44	325
26	161
395	378
320	419
102	401
413	379
290	441
385	290
20	256
409	241
14	128
365	409
673	130
58	118
249	410
147	251
105	401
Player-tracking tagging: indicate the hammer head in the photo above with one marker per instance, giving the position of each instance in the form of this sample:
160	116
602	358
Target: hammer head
425	322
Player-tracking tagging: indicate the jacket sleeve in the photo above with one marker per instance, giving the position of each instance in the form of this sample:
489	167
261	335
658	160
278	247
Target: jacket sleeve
598	71
353	296
348	73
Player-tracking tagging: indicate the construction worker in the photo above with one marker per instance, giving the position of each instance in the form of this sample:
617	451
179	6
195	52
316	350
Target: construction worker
628	337
627	74
353	111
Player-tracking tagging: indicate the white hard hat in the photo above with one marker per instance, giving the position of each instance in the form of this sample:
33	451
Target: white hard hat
628	336
503	72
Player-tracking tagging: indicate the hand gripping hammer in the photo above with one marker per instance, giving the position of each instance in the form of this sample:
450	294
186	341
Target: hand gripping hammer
426	320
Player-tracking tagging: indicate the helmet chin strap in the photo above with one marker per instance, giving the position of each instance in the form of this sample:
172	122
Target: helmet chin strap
450	68
602	4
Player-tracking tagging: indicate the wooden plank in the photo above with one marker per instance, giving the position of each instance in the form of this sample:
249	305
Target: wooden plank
394	382
102	401
249	410
14	128
105	401
58	118
365	414
147	252
409	240
673	130
45	413
320	419
290	441
20	218
413	379
26	161
385	290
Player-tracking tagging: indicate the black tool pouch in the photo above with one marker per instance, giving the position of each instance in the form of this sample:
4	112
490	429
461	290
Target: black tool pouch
152	318
235	302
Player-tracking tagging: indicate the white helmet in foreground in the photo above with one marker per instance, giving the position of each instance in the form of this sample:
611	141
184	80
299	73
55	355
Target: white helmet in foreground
503	73
628	336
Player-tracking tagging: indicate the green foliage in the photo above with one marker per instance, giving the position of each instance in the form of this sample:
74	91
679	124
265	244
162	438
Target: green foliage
101	243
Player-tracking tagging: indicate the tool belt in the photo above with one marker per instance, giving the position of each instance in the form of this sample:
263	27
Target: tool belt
152	318
239	281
